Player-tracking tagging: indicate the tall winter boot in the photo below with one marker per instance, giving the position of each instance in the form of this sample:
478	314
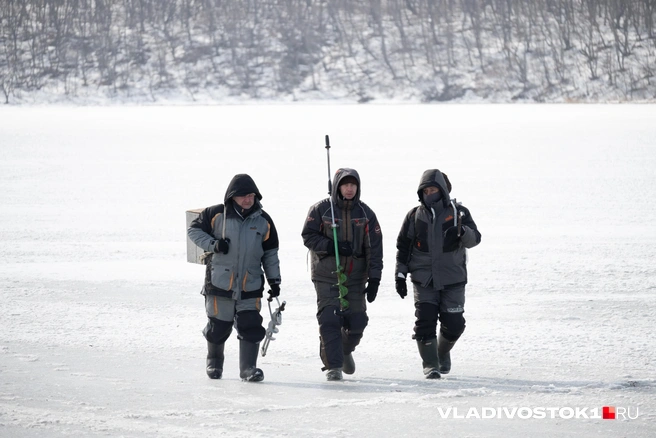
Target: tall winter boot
247	360
444	347
334	374
349	363
350	340
214	360
428	353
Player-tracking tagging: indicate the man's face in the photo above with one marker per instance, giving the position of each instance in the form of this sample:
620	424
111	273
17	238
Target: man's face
430	190
245	201
348	190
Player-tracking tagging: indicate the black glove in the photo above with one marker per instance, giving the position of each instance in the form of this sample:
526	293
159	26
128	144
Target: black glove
221	245
343	247
401	287
274	292
451	239
372	289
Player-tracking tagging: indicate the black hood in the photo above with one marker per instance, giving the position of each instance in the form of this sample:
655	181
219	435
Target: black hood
433	177
339	176
241	184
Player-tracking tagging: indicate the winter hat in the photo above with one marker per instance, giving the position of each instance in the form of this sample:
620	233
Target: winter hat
349	179
241	185
433	178
446	180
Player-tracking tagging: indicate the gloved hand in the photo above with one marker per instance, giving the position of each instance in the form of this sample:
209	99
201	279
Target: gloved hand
222	245
343	247
274	292
401	287
372	289
451	239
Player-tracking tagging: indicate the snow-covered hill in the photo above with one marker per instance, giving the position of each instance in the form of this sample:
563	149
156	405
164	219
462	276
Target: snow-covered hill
416	51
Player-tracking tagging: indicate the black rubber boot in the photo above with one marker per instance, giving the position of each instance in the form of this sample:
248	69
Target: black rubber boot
444	347
430	362
214	360
247	362
349	364
334	374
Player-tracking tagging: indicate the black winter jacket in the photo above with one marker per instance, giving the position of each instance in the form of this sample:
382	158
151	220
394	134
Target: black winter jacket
357	224
420	244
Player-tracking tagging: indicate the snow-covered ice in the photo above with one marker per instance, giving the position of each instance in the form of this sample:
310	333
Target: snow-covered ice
101	317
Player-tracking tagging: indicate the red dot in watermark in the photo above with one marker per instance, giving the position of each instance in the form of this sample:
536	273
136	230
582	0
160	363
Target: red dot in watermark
608	412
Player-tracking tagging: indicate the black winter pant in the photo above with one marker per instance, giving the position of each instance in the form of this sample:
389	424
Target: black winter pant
223	313
447	305
339	335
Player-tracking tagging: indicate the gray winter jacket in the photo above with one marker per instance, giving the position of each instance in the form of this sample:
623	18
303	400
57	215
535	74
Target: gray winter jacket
356	224
253	247
420	244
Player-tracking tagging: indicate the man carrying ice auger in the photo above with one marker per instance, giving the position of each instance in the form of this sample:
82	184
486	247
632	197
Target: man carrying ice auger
360	255
243	243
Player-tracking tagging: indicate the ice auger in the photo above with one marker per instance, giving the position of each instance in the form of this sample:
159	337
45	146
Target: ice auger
276	320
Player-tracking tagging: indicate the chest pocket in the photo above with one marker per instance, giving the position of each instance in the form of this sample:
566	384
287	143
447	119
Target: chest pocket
359	229
421	235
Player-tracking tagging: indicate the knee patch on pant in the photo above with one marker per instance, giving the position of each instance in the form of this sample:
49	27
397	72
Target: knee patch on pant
452	325
354	325
330	324
356	322
249	326
330	329
217	331
426	322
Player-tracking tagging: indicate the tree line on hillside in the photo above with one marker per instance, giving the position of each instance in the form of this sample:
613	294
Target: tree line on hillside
433	49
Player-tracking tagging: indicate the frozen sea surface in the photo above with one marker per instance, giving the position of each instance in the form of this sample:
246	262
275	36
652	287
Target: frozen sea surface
101	317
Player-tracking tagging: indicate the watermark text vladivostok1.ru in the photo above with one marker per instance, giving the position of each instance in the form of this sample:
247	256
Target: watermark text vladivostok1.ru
539	413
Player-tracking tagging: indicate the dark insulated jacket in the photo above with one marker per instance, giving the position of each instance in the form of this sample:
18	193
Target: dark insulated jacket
357	224
253	249
420	242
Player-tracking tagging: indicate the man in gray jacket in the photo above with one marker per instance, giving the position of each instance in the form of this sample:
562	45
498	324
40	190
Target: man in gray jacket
360	249
243	245
431	247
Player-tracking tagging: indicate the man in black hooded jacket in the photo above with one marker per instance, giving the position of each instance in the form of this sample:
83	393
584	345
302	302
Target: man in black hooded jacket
431	247
360	249
242	243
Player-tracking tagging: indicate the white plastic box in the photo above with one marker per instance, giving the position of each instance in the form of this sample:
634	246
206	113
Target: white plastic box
194	253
